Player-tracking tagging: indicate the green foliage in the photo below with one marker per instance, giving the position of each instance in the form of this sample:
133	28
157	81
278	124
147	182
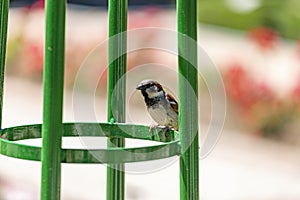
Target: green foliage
283	16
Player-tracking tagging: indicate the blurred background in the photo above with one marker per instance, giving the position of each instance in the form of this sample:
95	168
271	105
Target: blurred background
254	44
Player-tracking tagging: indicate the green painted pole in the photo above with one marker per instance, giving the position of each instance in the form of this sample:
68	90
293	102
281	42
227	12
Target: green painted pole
53	99
188	98
4	7
117	11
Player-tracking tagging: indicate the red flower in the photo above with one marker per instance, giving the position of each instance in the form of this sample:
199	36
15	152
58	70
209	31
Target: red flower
264	37
243	89
35	57
145	18
298	49
296	93
38	4
295	96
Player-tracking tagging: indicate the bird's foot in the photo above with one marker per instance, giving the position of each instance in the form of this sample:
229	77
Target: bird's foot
166	129
152	126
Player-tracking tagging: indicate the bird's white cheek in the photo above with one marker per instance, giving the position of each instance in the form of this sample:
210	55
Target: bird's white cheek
153	93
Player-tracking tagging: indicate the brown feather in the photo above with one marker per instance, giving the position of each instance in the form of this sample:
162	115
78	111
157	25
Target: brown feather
173	102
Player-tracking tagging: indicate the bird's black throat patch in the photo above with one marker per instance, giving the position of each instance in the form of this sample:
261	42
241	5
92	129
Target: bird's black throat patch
149	101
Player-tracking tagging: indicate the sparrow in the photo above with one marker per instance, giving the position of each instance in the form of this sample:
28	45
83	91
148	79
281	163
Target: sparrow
162	107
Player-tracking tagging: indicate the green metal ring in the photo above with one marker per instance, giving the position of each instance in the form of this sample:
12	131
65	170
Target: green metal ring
170	146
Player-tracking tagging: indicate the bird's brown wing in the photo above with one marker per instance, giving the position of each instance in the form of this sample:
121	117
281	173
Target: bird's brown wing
173	102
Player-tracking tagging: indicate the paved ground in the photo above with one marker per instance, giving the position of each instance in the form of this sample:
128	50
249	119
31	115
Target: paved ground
240	167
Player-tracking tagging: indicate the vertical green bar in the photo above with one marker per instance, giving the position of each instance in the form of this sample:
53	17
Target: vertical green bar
53	99
188	98
4	6
117	11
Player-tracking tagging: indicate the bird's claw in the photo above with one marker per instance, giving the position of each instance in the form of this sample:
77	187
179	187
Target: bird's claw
152	126
166	129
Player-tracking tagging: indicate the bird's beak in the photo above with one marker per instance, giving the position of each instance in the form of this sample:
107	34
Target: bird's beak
140	87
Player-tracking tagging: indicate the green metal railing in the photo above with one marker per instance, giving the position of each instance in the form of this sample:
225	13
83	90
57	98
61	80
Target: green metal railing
183	143
117	13
53	98
4	5
188	94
